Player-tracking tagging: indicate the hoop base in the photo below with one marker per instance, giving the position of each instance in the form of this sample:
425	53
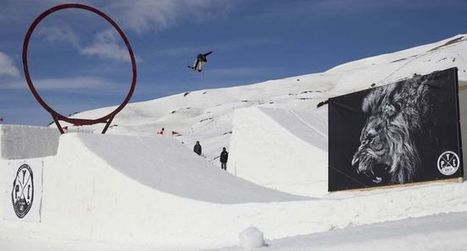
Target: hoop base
107	123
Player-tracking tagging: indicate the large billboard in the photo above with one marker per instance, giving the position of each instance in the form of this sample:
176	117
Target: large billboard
396	134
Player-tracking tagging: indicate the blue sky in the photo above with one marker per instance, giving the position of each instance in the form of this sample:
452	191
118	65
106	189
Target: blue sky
78	62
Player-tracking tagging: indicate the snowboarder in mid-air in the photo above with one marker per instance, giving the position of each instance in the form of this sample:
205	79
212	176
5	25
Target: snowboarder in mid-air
201	59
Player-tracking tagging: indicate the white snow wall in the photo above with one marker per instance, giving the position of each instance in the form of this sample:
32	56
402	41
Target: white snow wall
281	149
22	142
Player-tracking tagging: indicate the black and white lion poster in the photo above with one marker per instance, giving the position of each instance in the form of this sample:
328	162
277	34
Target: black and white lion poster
395	134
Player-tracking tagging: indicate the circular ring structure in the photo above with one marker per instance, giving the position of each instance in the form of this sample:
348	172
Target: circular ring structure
57	116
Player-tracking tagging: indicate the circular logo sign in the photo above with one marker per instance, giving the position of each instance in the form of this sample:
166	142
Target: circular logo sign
448	163
22	193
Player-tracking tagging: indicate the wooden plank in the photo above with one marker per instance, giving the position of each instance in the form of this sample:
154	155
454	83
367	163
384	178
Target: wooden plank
421	183
462	85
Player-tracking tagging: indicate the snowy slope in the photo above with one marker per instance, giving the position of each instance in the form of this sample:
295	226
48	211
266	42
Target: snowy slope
166	166
206	115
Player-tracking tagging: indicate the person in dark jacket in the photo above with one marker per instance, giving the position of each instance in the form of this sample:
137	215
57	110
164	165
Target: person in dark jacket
224	157
197	148
201	59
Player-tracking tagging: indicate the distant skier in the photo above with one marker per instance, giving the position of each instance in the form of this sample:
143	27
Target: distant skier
161	132
197	148
224	157
201	59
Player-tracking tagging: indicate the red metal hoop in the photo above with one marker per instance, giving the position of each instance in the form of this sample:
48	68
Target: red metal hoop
55	115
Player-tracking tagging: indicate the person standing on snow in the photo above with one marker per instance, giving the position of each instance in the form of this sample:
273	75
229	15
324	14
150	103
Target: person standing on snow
197	148
223	158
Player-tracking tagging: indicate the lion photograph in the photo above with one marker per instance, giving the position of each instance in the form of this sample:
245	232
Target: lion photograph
394	134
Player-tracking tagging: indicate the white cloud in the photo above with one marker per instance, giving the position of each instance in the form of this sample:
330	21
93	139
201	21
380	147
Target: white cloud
142	15
233	43
179	51
332	8
73	84
59	34
7	67
239	72
136	15
106	45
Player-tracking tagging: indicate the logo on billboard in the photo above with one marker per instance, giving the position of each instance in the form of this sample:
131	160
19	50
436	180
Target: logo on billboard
22	193
448	163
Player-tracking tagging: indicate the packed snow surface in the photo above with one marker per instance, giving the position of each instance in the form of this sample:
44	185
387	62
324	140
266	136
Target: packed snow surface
164	165
439	232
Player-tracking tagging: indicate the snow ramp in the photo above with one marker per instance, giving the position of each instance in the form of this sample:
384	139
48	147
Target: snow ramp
147	190
153	193
281	149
